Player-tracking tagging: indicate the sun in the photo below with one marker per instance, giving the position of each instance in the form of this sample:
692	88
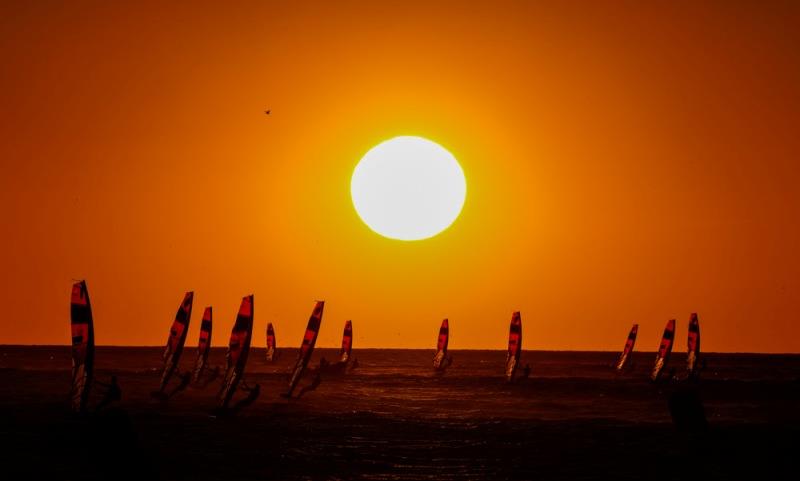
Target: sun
408	188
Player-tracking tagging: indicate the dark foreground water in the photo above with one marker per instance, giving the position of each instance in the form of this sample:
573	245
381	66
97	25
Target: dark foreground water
393	418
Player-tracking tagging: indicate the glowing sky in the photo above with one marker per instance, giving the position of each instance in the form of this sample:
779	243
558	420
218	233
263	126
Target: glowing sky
626	162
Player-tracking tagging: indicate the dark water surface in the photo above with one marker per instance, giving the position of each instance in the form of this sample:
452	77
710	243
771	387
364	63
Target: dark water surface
393	418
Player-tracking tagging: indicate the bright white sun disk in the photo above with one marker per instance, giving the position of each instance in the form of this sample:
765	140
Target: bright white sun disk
408	188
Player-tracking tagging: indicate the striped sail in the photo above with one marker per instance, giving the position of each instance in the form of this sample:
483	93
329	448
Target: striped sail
441	345
176	339
307	347
271	344
82	328
693	345
664	350
514	345
347	343
625	357
238	349
203	345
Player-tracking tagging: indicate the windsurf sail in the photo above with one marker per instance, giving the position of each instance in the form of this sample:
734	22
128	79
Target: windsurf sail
347	343
664	350
271	345
203	345
238	349
625	357
441	345
176	339
514	346
694	345
82	346
307	348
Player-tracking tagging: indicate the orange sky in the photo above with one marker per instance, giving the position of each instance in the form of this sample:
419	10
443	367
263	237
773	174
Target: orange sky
625	163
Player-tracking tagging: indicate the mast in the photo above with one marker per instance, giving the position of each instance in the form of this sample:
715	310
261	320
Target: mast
82	327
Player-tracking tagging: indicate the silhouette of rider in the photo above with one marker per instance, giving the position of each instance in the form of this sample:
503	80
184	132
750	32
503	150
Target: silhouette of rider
526	371
253	393
113	393
314	384
186	378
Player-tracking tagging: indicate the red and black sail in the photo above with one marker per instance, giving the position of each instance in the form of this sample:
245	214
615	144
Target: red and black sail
203	344
347	343
82	328
441	345
307	347
693	345
664	350
176	339
625	357
238	349
514	345
271	344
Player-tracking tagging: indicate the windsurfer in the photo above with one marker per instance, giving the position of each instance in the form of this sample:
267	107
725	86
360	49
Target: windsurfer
314	384
526	371
213	374
186	378
113	393
253	393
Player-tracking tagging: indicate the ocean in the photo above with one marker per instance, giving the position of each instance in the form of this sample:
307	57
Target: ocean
394	418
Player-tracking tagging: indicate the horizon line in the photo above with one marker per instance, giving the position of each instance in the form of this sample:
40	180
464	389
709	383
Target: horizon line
371	348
